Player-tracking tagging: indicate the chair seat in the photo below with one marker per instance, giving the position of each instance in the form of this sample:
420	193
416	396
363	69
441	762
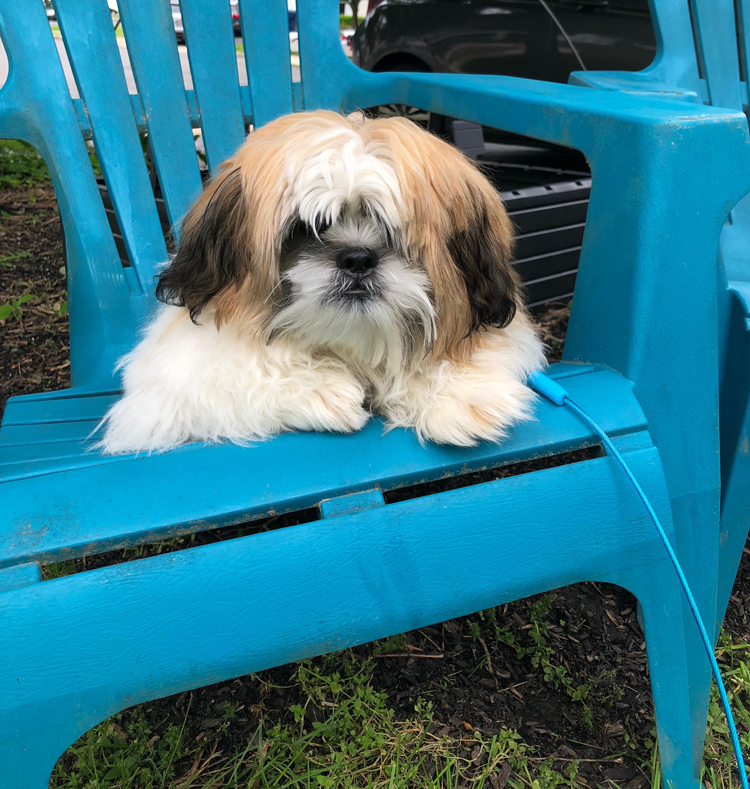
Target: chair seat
62	498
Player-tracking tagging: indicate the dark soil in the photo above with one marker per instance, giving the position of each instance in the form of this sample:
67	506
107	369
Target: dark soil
34	346
566	670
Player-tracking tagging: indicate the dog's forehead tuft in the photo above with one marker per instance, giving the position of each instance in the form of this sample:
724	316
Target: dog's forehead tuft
333	173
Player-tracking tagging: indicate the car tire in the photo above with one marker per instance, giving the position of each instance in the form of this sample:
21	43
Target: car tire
438	124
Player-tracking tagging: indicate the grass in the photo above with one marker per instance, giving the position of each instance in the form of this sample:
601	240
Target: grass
346	22
719	769
355	742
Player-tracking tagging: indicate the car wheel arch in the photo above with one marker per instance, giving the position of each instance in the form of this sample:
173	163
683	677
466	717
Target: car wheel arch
401	61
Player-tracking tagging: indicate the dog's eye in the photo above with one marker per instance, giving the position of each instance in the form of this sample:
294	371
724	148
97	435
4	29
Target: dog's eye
301	229
298	230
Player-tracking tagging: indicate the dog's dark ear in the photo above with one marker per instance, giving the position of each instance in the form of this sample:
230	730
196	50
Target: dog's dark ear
212	253
482	252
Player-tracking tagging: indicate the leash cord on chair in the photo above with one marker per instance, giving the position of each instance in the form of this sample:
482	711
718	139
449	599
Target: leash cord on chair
559	396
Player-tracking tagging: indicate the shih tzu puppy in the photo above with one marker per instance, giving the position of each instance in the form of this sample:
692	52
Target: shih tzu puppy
334	267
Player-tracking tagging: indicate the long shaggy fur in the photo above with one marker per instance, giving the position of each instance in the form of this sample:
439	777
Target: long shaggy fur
334	267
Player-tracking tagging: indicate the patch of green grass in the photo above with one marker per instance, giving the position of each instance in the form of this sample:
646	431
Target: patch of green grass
390	645
58	569
125	753
21	165
719	769
341	735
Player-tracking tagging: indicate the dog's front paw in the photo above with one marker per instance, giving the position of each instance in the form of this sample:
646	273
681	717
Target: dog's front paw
463	418
335	404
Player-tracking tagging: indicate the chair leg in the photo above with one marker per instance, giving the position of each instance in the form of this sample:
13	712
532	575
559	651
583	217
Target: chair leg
673	658
32	739
28	766
735	430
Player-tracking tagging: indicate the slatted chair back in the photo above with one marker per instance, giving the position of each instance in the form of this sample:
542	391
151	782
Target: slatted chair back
722	57
701	48
107	300
703	54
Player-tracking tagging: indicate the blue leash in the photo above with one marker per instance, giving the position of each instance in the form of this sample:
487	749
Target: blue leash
555	393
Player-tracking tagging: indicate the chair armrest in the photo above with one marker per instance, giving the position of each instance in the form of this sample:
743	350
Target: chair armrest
564	114
638	82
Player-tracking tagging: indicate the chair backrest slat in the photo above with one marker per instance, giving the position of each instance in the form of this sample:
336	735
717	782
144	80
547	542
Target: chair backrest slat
716	33
36	106
675	62
265	32
95	59
743	20
149	32
213	63
329	79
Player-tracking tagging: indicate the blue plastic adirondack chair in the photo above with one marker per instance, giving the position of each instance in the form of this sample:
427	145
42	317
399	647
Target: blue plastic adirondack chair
641	358
704	50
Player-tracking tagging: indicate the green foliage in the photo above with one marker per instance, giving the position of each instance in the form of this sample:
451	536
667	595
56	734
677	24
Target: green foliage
540	653
58	569
392	644
21	165
719	769
124	753
13	309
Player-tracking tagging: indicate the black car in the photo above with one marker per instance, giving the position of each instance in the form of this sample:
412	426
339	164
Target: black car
520	38
545	187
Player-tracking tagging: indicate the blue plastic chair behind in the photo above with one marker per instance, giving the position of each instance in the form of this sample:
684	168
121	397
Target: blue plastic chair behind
367	569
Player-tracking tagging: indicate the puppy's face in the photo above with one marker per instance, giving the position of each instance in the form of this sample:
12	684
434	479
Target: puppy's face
348	283
373	238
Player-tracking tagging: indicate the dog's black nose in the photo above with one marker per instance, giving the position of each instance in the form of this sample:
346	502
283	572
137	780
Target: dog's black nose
357	259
